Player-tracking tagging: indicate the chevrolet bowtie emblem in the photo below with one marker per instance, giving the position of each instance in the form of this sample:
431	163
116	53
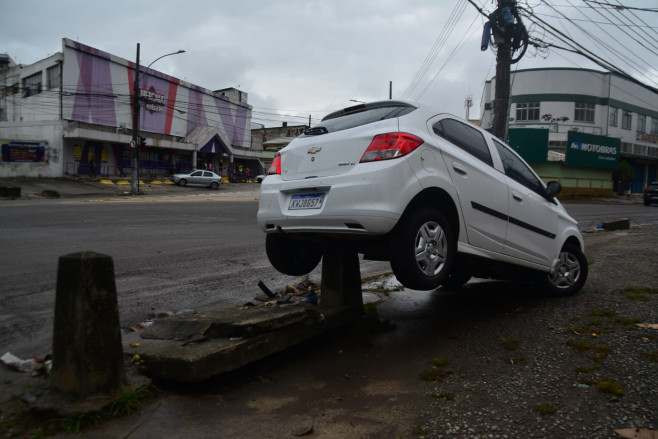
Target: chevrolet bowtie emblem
314	150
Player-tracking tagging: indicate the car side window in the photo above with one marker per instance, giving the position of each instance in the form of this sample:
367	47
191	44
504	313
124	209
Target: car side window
517	170
467	138
207	174
197	174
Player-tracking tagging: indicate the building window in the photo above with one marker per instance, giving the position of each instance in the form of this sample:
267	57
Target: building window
641	123
527	111
654	125
612	116
32	85
584	112
626	119
54	74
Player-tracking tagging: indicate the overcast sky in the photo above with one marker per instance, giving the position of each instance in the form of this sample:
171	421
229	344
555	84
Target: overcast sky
297	58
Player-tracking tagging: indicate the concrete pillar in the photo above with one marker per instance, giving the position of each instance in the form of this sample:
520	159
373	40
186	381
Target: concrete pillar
341	276
87	350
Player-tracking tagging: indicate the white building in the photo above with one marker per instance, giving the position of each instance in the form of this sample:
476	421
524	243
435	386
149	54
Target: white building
71	114
564	100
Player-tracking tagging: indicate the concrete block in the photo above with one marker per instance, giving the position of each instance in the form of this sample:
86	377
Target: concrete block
87	350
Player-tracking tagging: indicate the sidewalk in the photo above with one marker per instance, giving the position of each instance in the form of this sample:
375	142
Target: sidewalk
75	187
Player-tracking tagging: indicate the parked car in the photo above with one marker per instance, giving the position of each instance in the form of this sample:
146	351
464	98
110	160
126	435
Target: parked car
651	193
441	199
198	178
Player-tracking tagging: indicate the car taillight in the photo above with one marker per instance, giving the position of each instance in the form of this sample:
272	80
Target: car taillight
390	146
275	166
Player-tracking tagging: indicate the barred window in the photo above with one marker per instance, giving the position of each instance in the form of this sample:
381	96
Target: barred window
626	120
654	125
54	74
584	112
32	85
612	116
527	111
641	123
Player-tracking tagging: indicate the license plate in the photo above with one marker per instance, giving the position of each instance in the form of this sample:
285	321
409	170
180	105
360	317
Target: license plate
307	201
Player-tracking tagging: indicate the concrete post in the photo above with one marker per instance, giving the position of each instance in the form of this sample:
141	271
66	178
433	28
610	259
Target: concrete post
87	350
341	276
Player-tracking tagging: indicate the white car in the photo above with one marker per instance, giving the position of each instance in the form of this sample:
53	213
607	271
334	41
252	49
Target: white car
441	199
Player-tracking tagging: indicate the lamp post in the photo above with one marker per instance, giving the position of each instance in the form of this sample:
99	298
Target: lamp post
135	144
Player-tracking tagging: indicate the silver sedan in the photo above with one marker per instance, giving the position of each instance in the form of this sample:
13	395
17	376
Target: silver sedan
198	178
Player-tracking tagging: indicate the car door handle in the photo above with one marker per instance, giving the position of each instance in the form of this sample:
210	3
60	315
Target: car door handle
458	169
517	196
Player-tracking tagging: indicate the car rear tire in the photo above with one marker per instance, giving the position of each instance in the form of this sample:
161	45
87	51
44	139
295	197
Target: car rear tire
570	273
290	256
423	249
182	182
214	185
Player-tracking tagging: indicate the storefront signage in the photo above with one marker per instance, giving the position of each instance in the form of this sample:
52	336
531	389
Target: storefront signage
23	152
154	101
592	151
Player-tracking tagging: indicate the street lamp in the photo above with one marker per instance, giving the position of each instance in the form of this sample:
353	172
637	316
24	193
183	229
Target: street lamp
135	144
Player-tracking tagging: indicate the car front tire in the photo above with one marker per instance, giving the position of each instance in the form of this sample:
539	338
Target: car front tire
570	273
290	256
182	182
423	249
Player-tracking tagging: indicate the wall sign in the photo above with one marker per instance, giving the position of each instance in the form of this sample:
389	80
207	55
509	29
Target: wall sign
23	152
592	151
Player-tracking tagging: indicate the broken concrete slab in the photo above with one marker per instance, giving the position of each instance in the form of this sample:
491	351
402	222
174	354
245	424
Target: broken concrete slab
196	346
617	224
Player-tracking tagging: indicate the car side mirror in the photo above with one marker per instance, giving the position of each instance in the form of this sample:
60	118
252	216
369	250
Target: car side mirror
552	189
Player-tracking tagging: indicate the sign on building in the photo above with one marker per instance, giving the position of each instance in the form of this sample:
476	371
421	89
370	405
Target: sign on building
23	152
592	151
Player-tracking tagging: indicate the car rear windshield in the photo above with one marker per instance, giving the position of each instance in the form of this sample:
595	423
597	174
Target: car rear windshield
359	115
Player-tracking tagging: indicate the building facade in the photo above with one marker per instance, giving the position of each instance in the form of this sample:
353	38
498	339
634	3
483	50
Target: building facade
72	114
578	104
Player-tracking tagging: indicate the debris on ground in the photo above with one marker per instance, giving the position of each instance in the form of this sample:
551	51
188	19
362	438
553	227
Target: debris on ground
306	292
36	366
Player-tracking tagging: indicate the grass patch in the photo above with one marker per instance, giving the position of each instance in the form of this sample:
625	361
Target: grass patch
437	372
639	294
599	351
373	323
610	387
510	343
417	430
440	362
129	400
445	395
545	409
590	369
23	422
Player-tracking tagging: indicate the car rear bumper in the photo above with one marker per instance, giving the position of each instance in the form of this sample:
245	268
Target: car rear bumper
367	200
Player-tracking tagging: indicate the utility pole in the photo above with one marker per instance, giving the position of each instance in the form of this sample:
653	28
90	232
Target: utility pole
509	36
134	176
503	62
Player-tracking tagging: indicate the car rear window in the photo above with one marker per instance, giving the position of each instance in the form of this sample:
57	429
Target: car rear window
359	115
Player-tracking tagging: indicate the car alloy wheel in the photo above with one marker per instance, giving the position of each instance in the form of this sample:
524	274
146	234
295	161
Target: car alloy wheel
182	182
423	249
570	272
214	185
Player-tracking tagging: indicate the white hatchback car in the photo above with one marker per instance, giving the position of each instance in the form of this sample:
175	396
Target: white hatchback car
441	199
